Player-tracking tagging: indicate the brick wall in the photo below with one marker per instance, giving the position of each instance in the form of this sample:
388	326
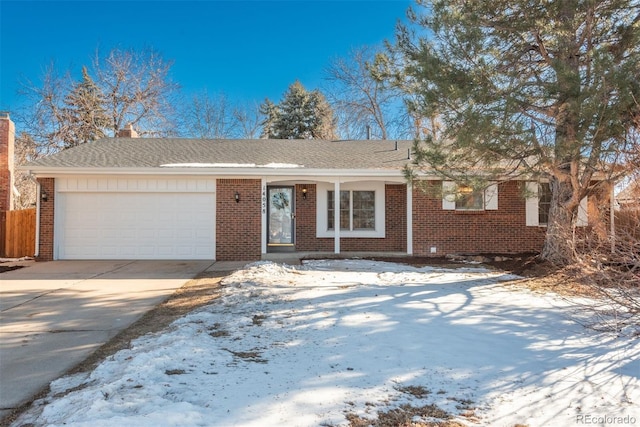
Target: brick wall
238	225
239	231
47	186
7	138
306	222
502	231
395	223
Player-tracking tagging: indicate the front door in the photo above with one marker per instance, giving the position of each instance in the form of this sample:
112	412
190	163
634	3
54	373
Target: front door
280	230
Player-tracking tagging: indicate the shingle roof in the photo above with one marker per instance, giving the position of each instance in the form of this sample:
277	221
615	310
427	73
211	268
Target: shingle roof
175	152
630	194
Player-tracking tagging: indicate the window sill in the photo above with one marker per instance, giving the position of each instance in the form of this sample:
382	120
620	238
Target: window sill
346	234
470	211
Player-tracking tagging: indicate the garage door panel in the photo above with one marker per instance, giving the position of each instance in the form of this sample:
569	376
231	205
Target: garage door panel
147	234
137	226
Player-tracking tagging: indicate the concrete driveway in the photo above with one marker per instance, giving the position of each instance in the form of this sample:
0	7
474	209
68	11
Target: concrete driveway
55	314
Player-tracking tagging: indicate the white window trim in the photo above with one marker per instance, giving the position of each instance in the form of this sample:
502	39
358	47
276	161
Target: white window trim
531	204
532	208
449	195
322	209
490	199
583	213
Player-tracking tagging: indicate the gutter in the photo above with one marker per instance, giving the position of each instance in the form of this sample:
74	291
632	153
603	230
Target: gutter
51	172
229	172
237	172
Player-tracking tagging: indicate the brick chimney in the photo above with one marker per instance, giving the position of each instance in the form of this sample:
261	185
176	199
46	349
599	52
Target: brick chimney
7	142
127	132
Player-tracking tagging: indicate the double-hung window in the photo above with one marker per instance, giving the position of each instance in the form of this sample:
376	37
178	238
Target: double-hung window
469	199
538	203
464	198
360	207
544	202
357	210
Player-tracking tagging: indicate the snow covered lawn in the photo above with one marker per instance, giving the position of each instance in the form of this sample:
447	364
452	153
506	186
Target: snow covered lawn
349	339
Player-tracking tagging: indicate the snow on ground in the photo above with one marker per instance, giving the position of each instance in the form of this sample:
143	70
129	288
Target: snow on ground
304	346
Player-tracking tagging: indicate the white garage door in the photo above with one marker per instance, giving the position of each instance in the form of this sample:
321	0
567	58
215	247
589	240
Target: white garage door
135	225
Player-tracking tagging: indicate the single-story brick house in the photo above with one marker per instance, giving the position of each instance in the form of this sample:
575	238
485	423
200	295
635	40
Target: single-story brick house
164	198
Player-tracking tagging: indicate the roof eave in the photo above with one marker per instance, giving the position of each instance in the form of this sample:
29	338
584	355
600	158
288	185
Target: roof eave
52	172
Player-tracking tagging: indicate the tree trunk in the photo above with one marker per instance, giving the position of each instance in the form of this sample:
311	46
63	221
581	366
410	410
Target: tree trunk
558	243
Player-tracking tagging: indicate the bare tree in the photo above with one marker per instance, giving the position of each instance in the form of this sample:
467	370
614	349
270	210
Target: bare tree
612	273
25	151
247	117
45	118
210	117
361	100
138	90
123	87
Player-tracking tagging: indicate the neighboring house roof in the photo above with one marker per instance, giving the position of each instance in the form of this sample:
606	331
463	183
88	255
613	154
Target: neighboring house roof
165	153
630	194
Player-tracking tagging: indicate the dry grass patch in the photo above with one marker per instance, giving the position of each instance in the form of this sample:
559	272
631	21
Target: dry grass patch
194	294
559	282
416	391
404	416
249	356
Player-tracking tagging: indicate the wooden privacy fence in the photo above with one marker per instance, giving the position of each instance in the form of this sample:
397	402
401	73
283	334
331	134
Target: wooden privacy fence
18	233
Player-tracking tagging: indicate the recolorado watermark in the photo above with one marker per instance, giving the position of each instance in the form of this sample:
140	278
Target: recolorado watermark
606	420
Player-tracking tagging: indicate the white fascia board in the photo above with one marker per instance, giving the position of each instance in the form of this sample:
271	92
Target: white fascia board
51	172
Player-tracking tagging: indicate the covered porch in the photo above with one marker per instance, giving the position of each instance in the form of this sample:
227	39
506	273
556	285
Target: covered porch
299	216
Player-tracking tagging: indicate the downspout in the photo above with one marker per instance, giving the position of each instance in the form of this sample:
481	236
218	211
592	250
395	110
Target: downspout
37	250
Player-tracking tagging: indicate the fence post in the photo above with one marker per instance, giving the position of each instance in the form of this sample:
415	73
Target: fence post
3	233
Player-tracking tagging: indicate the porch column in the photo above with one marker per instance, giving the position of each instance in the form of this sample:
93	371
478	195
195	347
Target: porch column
409	218
336	216
263	216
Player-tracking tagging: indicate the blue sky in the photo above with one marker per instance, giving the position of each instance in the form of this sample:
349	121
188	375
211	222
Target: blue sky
248	50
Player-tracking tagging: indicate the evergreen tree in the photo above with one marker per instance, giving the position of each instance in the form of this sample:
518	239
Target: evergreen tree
296	114
271	115
84	112
300	115
549	89
323	125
